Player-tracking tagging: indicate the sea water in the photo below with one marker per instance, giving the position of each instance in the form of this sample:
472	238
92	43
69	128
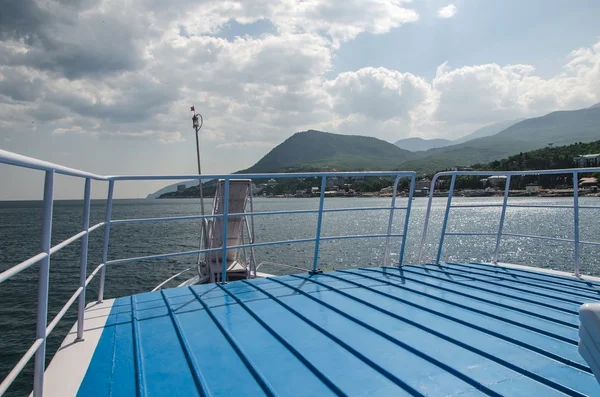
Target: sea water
20	230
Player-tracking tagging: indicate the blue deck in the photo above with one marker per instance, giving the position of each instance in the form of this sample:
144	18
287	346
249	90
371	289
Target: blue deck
453	329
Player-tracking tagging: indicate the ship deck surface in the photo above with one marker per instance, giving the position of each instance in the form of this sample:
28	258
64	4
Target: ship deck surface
434	330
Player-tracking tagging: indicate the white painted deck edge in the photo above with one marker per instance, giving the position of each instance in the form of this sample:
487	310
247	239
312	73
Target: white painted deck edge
67	369
264	275
70	363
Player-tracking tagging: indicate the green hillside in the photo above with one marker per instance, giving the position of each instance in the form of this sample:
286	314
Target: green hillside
542	159
547	158
556	157
557	128
313	149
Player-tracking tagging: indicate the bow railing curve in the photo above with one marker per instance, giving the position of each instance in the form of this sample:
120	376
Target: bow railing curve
43	328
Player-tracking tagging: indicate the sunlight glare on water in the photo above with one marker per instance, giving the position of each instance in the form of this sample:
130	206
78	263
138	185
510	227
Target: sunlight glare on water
21	226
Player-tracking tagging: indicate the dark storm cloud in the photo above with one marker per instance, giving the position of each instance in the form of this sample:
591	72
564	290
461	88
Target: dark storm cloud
61	40
26	20
20	19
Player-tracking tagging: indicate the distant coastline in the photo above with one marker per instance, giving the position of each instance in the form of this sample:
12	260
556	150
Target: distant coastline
544	193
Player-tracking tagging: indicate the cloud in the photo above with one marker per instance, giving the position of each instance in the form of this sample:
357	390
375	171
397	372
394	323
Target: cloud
490	92
345	19
248	144
160	136
390	104
73	38
20	84
447	12
378	93
339	20
257	70
71	130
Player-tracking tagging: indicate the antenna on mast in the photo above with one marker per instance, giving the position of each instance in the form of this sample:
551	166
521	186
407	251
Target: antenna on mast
197	122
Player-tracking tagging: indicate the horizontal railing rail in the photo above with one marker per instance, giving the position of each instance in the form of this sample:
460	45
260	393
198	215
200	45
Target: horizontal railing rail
38	348
43	328
13	271
262	175
323	175
244	214
35	164
249	245
573	172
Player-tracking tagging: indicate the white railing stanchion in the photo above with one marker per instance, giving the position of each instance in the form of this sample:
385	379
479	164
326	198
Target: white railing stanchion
576	222
427	215
111	189
252	256
407	218
319	222
386	251
502	216
84	255
446	214
43	284
225	226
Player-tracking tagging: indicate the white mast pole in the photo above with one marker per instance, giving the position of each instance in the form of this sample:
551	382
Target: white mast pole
197	122
197	125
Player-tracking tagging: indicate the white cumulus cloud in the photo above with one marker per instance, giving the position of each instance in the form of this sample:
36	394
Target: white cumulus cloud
142	64
447	12
390	104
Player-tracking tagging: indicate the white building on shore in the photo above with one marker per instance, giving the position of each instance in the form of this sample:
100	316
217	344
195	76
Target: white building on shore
587	160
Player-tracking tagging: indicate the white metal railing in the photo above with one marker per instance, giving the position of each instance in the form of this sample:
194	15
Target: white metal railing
320	211
574	172
43	328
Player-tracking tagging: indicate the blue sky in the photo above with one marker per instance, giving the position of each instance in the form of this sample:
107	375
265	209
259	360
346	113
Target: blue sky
534	32
106	86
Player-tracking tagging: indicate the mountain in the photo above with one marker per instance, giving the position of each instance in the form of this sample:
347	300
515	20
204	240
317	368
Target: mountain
314	149
488	130
556	128
173	188
419	144
311	150
595	106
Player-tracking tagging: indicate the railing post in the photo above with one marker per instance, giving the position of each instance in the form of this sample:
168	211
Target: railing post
502	216
319	222
448	204
43	283
225	225
252	256
407	219
427	215
576	222
386	251
84	255
111	188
